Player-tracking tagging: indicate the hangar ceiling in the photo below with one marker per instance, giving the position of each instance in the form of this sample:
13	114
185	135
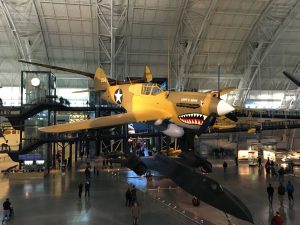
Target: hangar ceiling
185	40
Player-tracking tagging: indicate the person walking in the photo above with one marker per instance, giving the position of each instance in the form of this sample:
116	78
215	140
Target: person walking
277	219
281	174
290	191
87	173
135	212
87	189
6	209
133	194
259	162
128	197
281	192
225	166
270	191
80	187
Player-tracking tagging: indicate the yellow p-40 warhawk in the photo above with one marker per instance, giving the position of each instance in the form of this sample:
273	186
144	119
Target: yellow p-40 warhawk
170	111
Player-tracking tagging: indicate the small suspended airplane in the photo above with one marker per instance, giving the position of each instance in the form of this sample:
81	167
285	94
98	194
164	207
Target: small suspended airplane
170	112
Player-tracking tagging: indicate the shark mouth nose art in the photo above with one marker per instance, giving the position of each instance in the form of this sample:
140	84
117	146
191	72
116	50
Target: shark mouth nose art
192	118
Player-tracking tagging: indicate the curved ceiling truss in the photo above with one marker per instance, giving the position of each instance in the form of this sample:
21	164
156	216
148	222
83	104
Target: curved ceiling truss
184	40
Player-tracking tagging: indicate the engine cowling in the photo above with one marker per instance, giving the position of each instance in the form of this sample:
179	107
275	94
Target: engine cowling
169	129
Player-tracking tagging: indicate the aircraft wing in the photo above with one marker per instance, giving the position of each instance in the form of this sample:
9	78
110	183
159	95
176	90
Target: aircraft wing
107	121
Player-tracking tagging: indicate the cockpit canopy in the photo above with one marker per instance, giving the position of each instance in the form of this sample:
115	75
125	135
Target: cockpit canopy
151	89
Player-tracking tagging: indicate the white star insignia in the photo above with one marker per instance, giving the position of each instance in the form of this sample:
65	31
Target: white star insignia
118	96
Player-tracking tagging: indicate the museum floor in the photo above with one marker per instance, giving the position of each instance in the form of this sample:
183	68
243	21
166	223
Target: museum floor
54	199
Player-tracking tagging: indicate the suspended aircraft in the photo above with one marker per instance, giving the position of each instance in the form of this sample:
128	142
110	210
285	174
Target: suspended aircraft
170	112
249	122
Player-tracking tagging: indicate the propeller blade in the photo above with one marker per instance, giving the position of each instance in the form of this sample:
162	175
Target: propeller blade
209	121
292	78
232	117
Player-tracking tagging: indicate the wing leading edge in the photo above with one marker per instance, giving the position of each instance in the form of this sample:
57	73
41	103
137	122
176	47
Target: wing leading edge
106	121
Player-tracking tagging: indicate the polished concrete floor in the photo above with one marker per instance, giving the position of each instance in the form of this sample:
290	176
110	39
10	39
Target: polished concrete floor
250	183
247	183
54	199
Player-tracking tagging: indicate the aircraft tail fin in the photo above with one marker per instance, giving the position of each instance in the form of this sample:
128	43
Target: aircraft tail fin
100	80
147	74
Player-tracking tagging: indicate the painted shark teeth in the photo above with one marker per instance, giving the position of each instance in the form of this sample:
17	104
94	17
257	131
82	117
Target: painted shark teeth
192	118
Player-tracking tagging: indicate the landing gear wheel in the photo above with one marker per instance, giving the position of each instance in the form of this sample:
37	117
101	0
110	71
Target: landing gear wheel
196	201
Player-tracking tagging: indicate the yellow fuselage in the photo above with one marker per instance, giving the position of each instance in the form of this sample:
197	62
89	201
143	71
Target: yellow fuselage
186	109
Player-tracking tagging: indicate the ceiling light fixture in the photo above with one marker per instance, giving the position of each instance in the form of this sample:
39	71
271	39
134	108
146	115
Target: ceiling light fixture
35	82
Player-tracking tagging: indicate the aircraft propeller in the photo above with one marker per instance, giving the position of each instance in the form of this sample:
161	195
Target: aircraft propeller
209	121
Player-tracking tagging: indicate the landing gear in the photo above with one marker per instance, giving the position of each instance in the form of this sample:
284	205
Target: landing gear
196	201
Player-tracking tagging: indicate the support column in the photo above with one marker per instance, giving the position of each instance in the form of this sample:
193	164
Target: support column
80	148
70	155
112	23
125	139
101	147
87	149
54	154
76	150
168	145
98	146
63	152
49	145
160	143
